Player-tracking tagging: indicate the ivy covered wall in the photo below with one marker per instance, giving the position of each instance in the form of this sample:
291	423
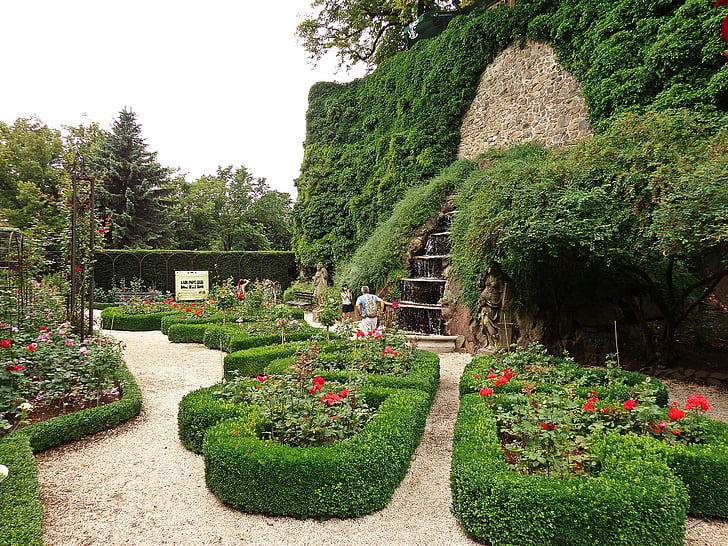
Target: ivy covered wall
370	140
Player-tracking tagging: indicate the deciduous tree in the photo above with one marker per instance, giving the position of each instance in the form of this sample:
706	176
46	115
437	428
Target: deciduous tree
361	31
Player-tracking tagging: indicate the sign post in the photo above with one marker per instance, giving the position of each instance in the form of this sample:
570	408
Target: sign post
191	285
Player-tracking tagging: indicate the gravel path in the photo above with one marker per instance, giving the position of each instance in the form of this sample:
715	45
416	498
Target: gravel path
137	485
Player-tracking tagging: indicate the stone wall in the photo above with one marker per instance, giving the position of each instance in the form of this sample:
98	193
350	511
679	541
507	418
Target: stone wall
524	94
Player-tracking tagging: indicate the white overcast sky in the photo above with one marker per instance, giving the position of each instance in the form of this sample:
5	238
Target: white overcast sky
214	82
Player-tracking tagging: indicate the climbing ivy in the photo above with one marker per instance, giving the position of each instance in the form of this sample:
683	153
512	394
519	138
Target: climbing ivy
370	140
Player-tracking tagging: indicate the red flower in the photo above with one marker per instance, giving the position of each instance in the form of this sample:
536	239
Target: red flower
696	401
476	376
318	383
261	378
359	333
102	230
395	305
31	347
16	368
485	391
331	398
604	410
502	380
589	406
548	426
5	344
491	376
674	414
343	393
630	404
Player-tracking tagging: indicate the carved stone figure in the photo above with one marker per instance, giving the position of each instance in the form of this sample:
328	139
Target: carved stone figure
320	283
490	305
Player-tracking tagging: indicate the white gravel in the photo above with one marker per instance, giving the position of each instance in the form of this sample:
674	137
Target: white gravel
137	484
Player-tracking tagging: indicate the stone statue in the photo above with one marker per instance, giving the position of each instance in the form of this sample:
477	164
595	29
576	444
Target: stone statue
490	306
320	283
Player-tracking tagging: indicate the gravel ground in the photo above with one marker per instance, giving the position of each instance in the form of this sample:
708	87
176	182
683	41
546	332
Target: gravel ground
136	484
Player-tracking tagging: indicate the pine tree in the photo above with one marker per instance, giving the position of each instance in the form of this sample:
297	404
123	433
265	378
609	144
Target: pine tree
132	195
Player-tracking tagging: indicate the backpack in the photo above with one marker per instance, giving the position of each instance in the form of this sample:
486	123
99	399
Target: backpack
371	307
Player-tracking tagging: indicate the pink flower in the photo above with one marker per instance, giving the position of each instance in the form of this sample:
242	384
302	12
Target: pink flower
630	404
5	343
31	347
395	305
262	378
83	350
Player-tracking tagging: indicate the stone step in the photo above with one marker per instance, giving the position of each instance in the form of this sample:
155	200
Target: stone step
436	344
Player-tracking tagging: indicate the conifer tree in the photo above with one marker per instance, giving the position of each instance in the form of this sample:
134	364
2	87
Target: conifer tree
132	195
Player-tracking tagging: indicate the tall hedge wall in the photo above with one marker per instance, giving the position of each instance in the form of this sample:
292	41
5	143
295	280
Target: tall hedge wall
157	267
369	140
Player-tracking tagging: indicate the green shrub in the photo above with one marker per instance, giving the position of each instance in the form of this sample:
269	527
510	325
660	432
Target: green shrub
347	479
21	511
633	500
114	318
187	333
253	361
217	318
231	338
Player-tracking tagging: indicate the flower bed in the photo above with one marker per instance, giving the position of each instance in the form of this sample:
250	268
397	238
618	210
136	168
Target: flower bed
344	479
537	462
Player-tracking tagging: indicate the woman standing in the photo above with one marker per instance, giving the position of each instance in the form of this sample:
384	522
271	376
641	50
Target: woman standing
347	304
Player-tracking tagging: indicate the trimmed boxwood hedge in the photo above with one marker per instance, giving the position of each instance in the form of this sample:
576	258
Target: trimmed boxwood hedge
21	512
253	361
634	500
114	318
231	338
347	479
218	318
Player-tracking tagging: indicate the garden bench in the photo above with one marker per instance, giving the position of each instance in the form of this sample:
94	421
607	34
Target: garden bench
302	299
120	296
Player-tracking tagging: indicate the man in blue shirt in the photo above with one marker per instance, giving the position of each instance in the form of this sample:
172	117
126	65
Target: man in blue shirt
369	306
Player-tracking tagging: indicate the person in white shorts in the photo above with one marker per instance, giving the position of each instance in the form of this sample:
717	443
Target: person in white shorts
369	306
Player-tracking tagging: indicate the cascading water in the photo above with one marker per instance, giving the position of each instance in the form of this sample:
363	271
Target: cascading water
420	310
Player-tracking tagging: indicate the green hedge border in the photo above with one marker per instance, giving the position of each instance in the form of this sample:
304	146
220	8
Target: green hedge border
21	511
231	338
633	501
114	318
348	479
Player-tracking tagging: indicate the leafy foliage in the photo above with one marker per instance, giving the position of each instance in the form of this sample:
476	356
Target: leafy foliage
628	213
370	140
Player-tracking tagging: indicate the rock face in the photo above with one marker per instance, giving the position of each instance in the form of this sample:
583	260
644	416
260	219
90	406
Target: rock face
524	94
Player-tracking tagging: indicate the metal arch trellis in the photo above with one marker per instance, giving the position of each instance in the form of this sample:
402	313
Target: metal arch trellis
14	289
81	270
